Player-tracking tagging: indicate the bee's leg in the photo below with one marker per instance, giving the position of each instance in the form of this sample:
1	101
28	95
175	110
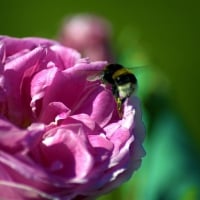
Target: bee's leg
115	91
118	100
119	104
119	107
123	100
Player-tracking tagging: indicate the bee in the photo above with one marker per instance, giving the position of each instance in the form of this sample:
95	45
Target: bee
122	81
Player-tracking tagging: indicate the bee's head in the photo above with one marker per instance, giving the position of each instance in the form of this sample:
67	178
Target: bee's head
109	71
125	78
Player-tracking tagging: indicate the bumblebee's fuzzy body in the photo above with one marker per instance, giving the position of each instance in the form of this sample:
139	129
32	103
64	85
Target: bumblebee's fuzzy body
122	81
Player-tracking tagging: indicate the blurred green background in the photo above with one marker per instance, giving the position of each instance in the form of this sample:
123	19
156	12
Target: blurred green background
168	33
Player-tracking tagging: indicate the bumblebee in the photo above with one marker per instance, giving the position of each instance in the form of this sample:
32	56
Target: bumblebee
122	81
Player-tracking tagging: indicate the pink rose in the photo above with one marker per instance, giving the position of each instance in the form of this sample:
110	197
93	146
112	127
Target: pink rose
60	134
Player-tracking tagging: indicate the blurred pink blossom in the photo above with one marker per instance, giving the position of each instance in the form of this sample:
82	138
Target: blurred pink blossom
60	135
89	34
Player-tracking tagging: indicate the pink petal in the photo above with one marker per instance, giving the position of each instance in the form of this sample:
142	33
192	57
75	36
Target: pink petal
2	55
68	56
41	81
88	122
63	89
54	112
25	180
102	147
69	150
103	107
14	45
7	141
98	103
12	81
22	140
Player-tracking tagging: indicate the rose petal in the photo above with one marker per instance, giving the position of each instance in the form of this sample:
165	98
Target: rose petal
102	146
54	112
99	104
2	55
23	178
41	81
68	96
13	73
7	141
14	45
68	56
23	139
87	121
72	151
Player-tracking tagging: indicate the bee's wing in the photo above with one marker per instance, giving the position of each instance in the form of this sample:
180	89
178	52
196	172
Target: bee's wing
91	75
95	76
92	71
136	68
